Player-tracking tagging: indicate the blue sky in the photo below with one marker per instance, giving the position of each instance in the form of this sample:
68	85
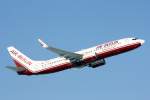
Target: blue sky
73	25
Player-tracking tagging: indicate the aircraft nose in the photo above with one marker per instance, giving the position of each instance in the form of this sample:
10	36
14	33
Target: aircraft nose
142	41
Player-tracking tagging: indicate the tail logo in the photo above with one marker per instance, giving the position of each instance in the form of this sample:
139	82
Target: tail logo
21	57
14	52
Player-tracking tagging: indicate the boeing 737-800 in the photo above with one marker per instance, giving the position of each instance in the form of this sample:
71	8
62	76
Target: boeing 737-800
91	57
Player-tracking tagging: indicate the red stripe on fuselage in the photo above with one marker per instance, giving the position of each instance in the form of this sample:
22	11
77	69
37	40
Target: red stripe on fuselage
92	58
114	51
101	55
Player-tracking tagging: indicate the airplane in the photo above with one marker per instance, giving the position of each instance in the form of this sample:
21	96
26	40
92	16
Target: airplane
92	57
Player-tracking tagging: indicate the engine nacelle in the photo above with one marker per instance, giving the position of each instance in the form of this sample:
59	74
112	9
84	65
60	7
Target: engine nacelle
97	63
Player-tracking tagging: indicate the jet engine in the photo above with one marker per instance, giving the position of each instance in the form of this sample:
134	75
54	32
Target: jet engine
97	63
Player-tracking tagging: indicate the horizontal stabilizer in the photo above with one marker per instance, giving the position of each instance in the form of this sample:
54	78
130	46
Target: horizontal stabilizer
17	69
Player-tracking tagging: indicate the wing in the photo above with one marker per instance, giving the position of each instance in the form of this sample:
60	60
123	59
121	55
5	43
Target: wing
66	54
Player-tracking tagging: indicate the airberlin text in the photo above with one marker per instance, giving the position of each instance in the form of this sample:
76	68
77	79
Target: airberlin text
109	44
21	57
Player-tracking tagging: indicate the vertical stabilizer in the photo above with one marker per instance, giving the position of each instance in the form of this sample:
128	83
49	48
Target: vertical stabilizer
20	59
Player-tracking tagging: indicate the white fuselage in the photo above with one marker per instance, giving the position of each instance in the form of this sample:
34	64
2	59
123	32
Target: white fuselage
89	55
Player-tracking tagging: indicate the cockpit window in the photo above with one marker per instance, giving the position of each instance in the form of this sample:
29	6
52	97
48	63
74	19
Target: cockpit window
134	38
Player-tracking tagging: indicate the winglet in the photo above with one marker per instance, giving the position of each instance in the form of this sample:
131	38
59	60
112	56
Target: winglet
44	45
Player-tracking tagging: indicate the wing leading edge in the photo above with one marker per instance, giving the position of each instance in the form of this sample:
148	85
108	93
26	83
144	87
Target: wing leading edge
66	54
